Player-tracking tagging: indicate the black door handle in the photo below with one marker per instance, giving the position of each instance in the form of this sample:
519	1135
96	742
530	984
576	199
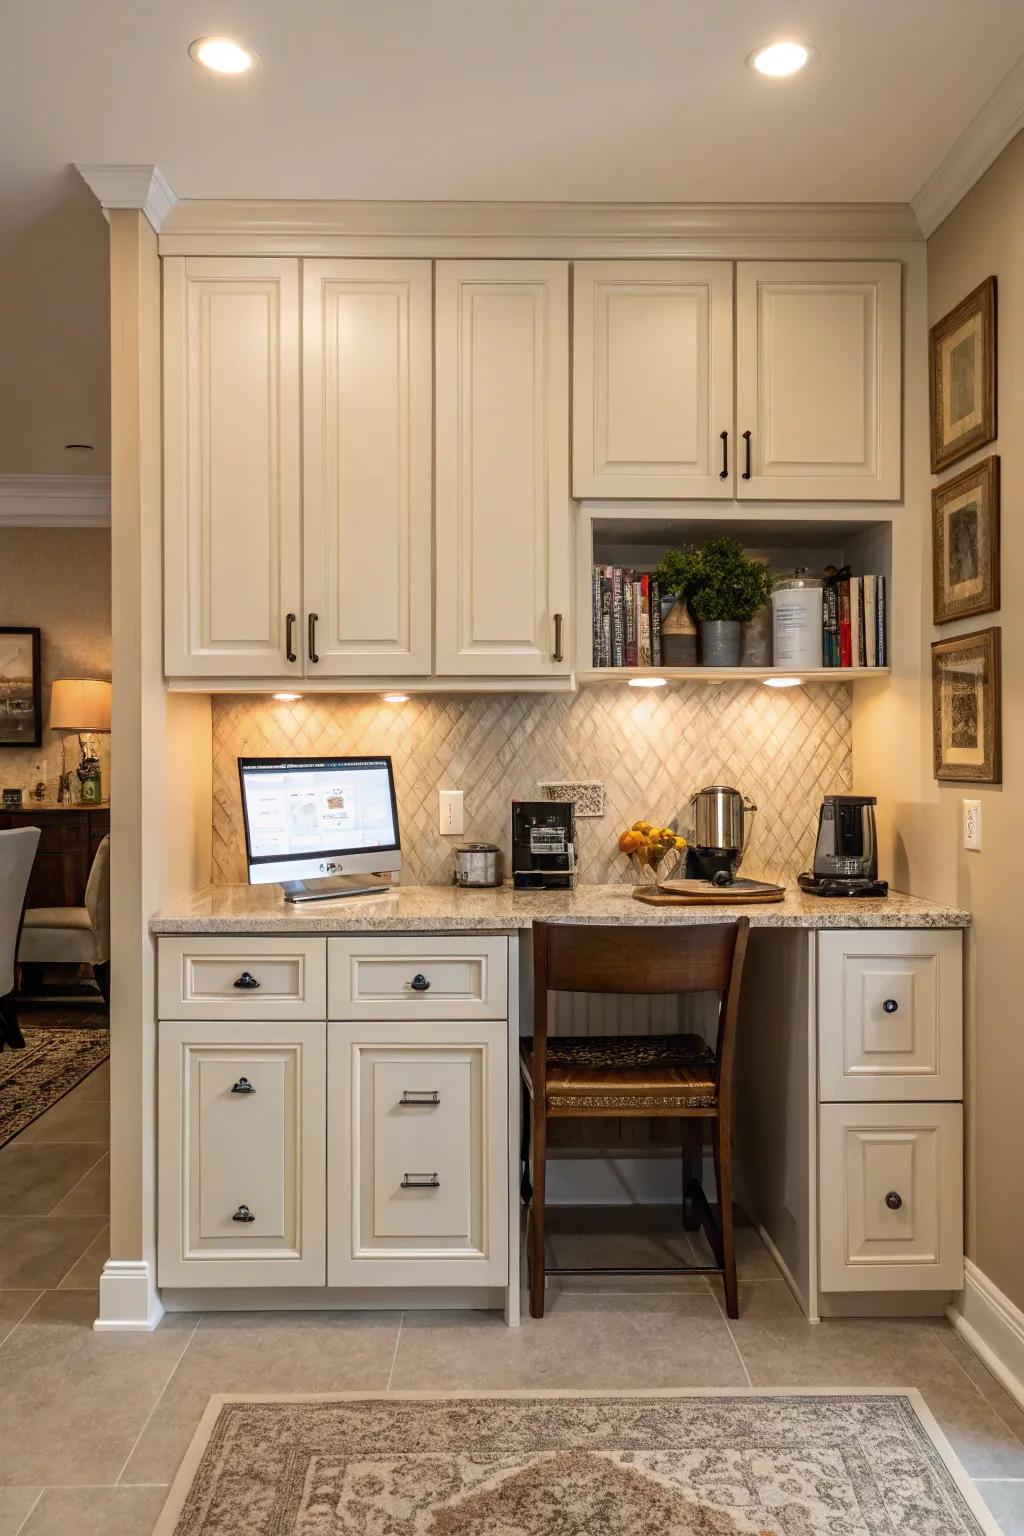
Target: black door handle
746	439
893	1200
243	1214
890	1005
243	1086
557	653
311	637
246	982
724	472
289	637
420	983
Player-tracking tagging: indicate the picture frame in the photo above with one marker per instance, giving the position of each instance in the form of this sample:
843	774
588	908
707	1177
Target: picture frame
965	543
21	704
967	708
963	377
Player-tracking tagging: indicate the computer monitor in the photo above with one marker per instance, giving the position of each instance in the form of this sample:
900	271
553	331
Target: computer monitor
311	818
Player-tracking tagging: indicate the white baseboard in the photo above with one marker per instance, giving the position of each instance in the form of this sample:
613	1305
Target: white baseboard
129	1301
993	1327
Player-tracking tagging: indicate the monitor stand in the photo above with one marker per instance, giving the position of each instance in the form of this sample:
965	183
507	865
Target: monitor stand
333	885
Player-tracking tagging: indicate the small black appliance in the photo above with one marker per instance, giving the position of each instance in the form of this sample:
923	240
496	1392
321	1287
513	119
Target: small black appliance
543	845
846	853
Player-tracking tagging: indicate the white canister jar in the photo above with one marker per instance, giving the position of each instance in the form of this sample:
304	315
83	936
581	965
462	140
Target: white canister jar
797	612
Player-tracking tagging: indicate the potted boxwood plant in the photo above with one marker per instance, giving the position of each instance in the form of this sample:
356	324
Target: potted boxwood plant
724	589
676	576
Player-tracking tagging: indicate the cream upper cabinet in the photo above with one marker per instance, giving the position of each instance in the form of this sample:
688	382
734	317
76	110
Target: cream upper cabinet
818	391
502	468
368	470
232	509
653	379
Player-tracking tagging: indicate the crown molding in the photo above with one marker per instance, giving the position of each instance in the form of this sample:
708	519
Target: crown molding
54	501
308	228
130	186
982	142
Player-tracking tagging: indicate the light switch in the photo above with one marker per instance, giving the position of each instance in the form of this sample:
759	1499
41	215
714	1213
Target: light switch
449	812
972	825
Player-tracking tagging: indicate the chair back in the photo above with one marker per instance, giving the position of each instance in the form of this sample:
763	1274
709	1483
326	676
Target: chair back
97	898
17	855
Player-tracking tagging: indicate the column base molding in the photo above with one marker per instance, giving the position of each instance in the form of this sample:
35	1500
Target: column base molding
129	1300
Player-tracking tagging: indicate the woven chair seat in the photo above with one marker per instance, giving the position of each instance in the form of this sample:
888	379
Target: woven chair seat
608	1072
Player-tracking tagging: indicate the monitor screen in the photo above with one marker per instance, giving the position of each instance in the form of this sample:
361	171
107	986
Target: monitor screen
308	817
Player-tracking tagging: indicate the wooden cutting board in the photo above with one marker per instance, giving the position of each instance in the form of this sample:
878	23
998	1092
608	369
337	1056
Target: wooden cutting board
701	893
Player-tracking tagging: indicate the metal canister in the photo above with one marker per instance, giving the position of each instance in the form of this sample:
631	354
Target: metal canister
478	864
797	608
718	817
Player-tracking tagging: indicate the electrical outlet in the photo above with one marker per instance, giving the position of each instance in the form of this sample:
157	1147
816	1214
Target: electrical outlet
449	812
972	825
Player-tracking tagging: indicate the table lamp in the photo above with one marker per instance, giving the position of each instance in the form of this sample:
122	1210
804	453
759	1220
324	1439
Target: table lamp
81	704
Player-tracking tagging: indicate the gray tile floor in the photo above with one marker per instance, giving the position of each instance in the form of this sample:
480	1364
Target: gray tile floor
93	1426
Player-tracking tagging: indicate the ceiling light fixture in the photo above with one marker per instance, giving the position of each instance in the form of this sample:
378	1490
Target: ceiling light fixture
287	698
647	682
780	59
782	682
223	55
396	698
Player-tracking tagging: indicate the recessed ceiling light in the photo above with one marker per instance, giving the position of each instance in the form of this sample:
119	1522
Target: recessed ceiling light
647	682
780	59
396	698
782	682
223	55
287	698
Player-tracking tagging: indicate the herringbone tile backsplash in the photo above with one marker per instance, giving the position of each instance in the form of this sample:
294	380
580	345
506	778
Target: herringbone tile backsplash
784	748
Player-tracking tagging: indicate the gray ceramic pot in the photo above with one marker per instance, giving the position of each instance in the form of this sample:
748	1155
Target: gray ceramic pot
720	643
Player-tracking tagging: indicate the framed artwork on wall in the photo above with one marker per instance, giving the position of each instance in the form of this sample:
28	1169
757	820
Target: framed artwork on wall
21	709
963	377
967	708
965	543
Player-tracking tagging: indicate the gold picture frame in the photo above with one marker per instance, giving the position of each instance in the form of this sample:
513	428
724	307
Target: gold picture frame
963	377
967	708
965	543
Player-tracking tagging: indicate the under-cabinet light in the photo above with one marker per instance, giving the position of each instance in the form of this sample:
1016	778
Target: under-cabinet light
782	682
223	55
287	698
396	698
647	682
780	59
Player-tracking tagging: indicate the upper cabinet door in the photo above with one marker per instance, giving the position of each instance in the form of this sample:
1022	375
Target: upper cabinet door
818	347
232	512
502	467
367	421
652	379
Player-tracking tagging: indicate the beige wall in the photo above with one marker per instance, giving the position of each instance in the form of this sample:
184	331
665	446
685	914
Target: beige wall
984	236
57	580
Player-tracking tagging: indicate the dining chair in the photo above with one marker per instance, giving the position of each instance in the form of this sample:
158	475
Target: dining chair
17	855
620	1076
74	935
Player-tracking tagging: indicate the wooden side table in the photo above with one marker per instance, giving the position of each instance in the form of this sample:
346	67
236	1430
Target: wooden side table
70	835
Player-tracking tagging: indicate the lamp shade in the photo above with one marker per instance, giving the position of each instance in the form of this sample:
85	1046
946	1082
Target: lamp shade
79	704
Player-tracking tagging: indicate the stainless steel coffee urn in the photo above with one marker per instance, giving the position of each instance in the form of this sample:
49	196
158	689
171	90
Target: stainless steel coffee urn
719	833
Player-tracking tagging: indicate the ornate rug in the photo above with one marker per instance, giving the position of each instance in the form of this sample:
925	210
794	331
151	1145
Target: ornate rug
53	1062
715	1463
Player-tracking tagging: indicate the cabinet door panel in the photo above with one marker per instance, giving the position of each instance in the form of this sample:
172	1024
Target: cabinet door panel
652	378
367	421
818	379
232	512
502	535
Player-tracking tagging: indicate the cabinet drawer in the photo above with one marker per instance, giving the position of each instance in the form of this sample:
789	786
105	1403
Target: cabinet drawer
241	1154
248	978
891	1197
890	1015
417	1155
417	978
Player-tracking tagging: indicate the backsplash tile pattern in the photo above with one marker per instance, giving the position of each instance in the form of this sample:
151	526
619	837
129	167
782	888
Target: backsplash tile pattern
784	748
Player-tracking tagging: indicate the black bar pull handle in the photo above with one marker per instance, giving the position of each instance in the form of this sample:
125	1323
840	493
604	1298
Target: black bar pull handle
289	637
723	473
557	653
420	1181
746	439
311	638
420	1096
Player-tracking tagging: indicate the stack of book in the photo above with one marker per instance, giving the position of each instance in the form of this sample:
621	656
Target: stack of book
627	618
854	621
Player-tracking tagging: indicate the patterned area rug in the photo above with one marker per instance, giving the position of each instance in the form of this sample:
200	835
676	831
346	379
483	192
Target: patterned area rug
52	1063
717	1463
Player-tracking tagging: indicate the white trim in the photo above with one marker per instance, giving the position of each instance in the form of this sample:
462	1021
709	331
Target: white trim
982	141
129	1301
130	186
993	1326
54	501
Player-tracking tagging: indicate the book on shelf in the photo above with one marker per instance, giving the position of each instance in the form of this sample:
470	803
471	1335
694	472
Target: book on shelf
626	621
854	620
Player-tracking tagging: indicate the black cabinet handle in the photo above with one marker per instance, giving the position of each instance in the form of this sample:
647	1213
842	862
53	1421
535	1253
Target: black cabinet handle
557	653
289	637
420	1096
420	1181
311	637
890	1005
420	983
243	1214
724	472
893	1200
746	439
243	1086
246	982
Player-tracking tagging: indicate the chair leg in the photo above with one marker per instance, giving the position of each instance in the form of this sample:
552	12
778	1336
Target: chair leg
101	976
536	1230
723	1180
10	1031
693	1146
525	1187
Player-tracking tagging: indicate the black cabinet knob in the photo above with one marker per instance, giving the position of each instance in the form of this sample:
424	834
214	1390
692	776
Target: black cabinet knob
243	1214
420	983
246	982
893	1200
243	1086
890	1005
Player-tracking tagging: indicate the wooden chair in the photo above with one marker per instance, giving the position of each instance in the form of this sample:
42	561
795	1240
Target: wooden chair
619	1076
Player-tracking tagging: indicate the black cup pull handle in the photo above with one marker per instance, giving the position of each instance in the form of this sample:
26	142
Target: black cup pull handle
893	1200
724	471
890	1005
243	1086
420	1096
289	637
746	472
420	1181
246	982
243	1214
420	983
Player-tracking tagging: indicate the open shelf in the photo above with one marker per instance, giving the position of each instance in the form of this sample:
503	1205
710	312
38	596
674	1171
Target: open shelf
588	676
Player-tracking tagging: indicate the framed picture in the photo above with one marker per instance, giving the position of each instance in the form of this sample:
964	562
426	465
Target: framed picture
21	709
963	377
966	708
965	543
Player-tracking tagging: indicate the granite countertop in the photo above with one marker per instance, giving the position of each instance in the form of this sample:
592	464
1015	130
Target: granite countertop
448	909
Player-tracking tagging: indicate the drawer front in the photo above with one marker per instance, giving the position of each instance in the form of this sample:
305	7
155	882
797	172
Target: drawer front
417	1155
247	978
891	1197
242	1148
890	1015
417	978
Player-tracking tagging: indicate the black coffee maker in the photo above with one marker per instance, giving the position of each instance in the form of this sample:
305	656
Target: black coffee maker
543	845
846	853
